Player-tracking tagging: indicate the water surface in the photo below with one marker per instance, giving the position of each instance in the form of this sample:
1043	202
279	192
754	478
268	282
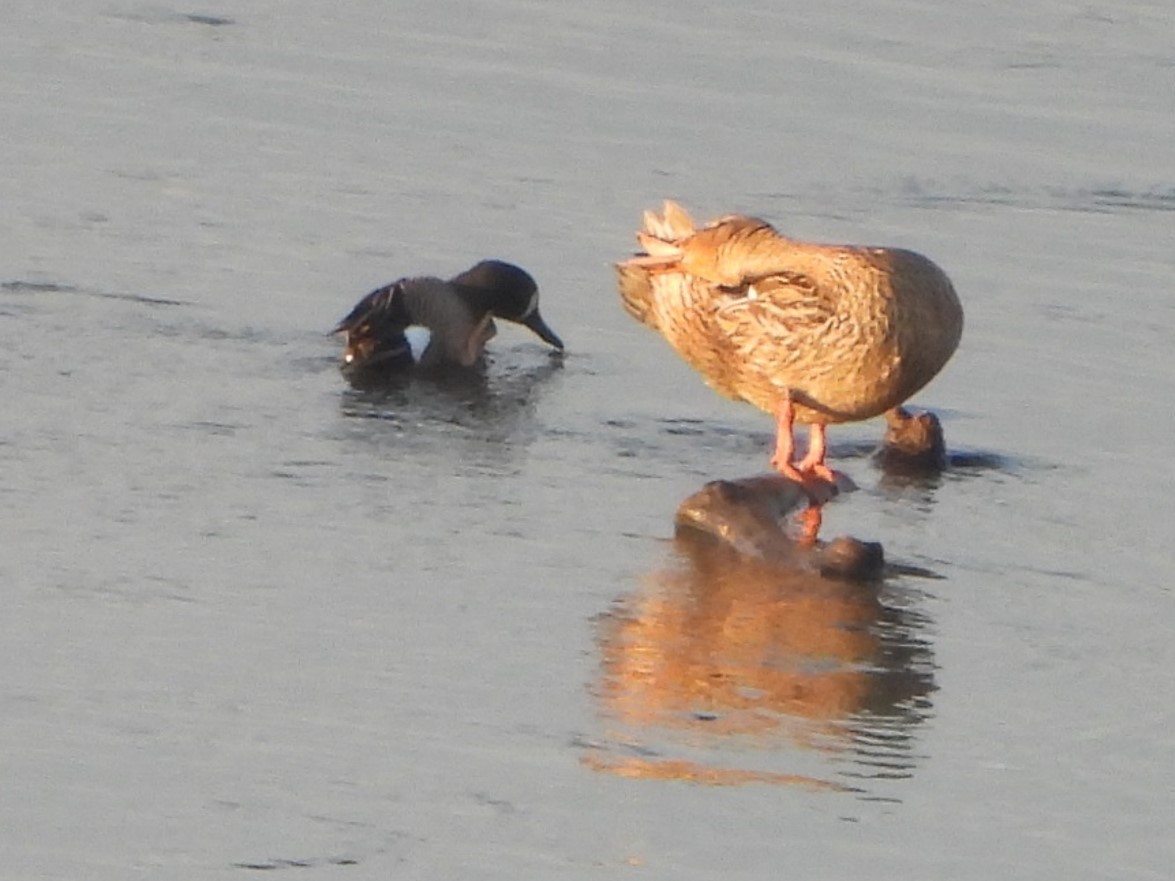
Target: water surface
257	620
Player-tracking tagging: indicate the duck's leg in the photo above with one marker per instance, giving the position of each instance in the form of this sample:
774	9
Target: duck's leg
809	519
813	461
812	465
785	441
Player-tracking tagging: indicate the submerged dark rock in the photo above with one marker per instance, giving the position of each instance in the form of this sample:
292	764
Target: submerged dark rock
748	518
914	444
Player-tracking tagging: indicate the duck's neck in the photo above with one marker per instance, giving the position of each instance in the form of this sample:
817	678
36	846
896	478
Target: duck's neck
479	301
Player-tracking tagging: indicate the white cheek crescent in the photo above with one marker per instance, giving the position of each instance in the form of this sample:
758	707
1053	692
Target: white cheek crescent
418	338
532	305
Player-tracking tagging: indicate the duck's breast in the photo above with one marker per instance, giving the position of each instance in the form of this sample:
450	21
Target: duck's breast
926	319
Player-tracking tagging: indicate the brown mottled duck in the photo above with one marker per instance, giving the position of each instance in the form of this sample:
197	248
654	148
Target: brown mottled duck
814	334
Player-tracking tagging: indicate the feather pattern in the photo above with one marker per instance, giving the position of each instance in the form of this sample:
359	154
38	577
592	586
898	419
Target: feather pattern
458	315
843	332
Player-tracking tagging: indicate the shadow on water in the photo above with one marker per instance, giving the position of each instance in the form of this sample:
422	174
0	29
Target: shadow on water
490	405
44	288
727	666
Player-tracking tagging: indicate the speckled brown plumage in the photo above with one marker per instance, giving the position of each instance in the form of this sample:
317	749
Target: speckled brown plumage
827	333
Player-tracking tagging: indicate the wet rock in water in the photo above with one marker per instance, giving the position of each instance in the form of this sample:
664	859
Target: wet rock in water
851	559
913	444
748	517
744	514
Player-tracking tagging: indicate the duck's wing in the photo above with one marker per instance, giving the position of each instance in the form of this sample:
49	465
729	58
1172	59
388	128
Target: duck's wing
376	310
776	308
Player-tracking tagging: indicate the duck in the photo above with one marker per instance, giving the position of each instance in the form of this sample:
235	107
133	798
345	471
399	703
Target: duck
813	334
427	322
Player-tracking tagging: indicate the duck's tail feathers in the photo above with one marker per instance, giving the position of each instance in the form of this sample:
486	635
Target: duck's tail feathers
658	248
673	224
660	236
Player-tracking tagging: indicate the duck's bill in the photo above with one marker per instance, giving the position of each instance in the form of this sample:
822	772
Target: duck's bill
535	322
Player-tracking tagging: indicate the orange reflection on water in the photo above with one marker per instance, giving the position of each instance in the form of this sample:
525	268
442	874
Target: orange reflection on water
721	651
679	769
737	650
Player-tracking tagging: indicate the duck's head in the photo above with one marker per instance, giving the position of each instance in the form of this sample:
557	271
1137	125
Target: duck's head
508	292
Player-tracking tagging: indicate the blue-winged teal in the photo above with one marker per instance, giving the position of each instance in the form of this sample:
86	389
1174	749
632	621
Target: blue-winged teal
456	318
813	334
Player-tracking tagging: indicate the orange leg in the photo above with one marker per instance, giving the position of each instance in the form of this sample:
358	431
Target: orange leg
813	461
785	442
812	465
817	479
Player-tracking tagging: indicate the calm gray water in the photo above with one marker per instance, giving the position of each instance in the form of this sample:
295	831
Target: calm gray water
256	620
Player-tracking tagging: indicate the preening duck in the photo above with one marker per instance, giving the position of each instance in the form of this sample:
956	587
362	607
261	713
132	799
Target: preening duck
814	334
455	319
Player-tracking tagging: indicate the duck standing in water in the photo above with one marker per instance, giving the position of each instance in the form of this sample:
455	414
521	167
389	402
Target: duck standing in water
813	334
429	323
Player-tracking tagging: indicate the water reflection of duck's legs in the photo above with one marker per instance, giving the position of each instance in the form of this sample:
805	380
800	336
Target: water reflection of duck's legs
809	521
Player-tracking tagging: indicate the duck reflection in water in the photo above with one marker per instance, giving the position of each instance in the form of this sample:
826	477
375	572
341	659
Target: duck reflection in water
480	418
746	642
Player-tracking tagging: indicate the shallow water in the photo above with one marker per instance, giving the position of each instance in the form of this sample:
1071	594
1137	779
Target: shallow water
258	620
